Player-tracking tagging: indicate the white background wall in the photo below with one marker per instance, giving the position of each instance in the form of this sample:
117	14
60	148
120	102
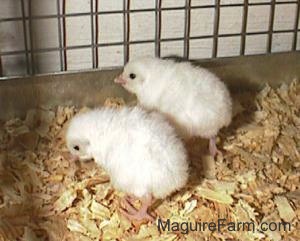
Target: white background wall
142	27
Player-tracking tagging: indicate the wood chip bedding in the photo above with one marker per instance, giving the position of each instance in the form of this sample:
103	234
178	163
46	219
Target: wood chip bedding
45	196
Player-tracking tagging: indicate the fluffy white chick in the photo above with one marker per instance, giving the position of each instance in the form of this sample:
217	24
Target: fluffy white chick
193	99
139	150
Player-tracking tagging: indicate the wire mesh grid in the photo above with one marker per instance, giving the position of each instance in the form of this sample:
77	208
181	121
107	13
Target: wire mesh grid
61	16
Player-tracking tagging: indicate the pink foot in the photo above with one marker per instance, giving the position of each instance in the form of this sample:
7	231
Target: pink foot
213	147
132	213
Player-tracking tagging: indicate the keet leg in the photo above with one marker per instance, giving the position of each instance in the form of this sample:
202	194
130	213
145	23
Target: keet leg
127	201
213	147
133	214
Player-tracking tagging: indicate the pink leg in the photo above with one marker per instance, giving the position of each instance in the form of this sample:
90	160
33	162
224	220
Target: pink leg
213	147
127	201
133	214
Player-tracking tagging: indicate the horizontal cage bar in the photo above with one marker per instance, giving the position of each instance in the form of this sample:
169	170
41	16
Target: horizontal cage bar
140	42
140	10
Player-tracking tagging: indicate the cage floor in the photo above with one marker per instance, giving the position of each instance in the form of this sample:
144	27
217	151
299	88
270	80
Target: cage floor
45	196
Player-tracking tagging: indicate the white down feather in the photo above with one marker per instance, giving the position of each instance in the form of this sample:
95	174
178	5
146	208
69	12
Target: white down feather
193	99
139	150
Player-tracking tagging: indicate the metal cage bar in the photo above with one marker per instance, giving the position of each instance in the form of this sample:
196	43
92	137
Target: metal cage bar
31	37
64	35
244	27
187	23
1	68
93	34
126	24
25	37
97	33
61	61
271	26
216	28
294	47
157	27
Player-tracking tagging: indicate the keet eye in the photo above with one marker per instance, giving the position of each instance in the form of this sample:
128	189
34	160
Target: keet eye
132	76
76	148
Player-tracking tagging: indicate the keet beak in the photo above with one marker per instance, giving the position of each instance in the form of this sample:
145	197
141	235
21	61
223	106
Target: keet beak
120	80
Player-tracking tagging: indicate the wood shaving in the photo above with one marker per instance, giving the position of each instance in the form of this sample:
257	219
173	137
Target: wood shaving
46	196
220	197
114	102
285	210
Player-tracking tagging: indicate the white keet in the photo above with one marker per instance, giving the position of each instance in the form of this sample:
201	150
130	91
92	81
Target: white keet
193	98
139	150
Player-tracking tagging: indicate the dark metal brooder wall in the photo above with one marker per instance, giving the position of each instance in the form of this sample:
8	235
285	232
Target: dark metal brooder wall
61	16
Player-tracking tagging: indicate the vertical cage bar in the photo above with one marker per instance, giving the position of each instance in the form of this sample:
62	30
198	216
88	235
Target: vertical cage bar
97	33
25	37
31	37
92	34
244	27
187	23
216	28
294	48
271	26
64	35
1	68
126	28
59	36
157	27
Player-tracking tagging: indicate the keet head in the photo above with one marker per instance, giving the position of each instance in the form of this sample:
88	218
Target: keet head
77	139
134	74
79	149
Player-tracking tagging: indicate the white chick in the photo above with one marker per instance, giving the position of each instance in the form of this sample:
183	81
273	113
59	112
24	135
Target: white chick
195	101
139	150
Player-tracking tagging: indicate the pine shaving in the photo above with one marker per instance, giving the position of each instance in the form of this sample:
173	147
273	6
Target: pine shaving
285	210
46	196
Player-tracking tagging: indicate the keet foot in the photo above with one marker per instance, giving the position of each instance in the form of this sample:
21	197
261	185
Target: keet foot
132	213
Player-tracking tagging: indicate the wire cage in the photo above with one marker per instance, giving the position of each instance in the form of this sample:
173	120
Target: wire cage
43	37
